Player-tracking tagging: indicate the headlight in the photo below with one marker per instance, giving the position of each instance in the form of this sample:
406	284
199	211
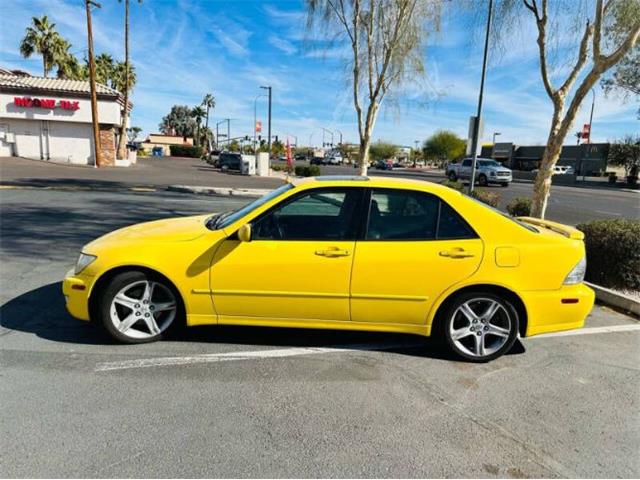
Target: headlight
577	274
83	262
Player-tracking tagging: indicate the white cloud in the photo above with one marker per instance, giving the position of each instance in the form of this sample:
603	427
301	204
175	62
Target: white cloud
282	44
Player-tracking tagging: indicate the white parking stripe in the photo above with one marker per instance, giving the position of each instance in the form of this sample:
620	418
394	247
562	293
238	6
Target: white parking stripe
251	355
297	351
589	331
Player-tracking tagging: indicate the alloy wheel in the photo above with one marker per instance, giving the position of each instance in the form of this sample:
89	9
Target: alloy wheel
480	327
143	309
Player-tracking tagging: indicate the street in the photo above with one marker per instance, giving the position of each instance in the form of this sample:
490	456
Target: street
266	402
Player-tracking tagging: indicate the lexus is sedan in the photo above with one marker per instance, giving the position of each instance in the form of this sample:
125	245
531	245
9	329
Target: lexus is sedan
352	253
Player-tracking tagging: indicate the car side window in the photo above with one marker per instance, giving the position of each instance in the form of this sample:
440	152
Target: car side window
402	215
466	163
318	214
451	225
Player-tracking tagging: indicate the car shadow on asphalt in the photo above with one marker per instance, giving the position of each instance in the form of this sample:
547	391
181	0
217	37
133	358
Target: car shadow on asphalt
42	312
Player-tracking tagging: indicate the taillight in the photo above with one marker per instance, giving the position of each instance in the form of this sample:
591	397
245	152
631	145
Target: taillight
576	275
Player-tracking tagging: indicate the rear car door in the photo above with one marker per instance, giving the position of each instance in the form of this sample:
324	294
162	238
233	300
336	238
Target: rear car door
415	246
465	169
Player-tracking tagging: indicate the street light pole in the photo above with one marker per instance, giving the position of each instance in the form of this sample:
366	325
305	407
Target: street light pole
593	101
477	121
340	135
97	148
495	134
269	120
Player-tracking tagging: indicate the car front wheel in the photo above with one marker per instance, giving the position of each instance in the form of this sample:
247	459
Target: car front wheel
138	307
482	180
452	176
480	326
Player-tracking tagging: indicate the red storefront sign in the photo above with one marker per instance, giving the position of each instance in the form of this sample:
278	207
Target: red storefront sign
49	103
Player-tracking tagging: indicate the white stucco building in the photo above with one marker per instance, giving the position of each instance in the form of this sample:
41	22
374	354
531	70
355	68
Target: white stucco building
50	119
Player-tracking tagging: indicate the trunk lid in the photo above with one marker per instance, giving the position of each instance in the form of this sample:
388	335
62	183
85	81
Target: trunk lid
565	230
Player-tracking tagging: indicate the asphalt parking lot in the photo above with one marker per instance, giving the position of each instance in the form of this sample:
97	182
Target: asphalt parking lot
259	402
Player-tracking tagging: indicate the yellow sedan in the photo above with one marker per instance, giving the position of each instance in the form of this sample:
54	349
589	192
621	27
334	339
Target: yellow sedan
353	253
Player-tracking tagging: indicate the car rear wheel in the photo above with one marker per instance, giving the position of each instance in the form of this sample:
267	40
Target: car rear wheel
452	176
480	326
138	307
482	180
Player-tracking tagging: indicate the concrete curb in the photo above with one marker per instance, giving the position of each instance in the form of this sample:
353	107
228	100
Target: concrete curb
219	191
616	299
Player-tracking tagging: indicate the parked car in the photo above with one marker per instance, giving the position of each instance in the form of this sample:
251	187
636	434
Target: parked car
300	157
383	165
230	161
358	253
333	160
560	170
318	161
487	171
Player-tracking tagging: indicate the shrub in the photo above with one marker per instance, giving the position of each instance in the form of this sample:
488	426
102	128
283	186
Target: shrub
519	207
613	252
307	171
277	168
490	198
185	151
143	153
455	185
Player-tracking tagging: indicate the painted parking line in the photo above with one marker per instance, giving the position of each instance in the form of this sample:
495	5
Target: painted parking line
250	355
590	331
298	351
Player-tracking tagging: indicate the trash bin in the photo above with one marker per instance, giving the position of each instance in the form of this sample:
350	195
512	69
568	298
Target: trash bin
248	166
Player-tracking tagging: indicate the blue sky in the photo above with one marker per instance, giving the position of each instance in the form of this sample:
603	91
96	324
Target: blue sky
184	49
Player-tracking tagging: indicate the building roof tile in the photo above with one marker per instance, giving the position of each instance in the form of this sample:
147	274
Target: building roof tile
54	84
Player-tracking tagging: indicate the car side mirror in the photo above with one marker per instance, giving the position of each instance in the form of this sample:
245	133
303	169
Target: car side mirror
244	233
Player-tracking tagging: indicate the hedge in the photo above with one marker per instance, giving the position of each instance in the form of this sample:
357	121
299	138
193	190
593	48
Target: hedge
613	252
490	198
307	171
185	151
519	207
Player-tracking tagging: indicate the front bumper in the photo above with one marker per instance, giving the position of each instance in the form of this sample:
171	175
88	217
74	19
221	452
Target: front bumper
501	178
557	310
76	290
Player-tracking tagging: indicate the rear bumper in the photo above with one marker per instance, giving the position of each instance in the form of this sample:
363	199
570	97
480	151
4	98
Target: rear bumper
557	310
76	290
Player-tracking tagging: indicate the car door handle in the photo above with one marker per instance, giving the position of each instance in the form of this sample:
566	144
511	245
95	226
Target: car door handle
333	252
457	253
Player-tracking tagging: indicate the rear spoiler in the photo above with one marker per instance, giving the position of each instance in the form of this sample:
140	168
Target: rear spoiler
565	230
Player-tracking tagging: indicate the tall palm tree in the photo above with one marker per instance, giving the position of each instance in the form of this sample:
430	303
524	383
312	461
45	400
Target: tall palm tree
119	76
41	37
198	113
105	67
209	102
68	65
127	83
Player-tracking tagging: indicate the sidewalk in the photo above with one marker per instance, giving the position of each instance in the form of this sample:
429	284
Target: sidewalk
148	173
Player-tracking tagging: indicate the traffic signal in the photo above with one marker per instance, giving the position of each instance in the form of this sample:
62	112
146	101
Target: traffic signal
246	138
276	138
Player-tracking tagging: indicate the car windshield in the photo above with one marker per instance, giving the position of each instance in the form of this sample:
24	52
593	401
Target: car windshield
489	163
223	220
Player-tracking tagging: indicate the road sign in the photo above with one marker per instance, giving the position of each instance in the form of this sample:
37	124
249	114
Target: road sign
586	130
258	126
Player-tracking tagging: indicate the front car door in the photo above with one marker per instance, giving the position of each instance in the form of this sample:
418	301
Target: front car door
297	265
415	247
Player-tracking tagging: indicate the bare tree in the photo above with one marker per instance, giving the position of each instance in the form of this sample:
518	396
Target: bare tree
386	40
591	55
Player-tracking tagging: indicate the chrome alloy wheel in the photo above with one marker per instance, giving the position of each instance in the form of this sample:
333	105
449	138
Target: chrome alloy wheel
480	327
143	309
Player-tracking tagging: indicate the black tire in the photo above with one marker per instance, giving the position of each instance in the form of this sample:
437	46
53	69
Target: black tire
130	279
504	184
452	176
466	346
482	180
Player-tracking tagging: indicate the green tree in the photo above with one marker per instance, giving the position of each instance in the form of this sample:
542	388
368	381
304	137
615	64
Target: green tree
133	132
178	122
386	40
198	113
277	148
626	153
382	150
208	102
105	67
444	145
67	64
41	37
234	146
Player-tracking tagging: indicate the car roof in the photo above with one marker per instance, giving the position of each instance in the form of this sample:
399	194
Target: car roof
370	182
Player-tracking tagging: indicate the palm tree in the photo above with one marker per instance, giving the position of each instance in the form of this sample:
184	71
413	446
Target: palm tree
41	37
198	113
105	67
128	70
209	102
119	76
68	65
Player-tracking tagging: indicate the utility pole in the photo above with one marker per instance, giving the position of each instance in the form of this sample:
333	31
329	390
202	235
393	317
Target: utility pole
269	122
92	82
477	121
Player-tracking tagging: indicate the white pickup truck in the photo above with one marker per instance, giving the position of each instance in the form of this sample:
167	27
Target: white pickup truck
487	171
